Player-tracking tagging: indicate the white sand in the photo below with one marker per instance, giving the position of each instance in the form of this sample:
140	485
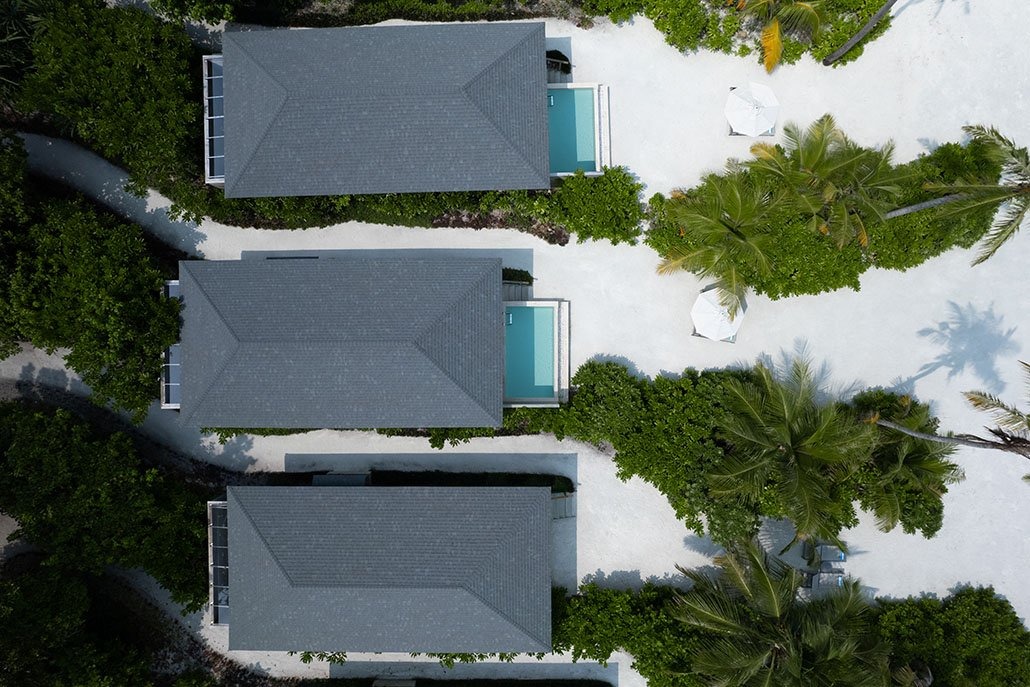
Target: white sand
945	63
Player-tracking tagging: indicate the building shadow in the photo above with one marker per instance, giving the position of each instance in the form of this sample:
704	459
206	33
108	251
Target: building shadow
485	670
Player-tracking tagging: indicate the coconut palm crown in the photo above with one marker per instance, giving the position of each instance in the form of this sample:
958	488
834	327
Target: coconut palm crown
1013	189
837	183
723	224
760	633
790	454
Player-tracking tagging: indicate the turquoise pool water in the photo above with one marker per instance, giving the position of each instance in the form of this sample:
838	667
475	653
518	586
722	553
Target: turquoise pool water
528	353
570	129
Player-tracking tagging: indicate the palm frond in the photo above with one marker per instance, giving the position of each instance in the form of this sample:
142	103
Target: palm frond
1003	229
1014	160
803	18
772	45
1007	416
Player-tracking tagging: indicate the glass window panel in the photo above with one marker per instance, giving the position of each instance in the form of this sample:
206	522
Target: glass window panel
214	107
220	577
217	167
220	556
216	147
172	394
172	290
214	67
174	356
222	616
219	516
214	86
216	126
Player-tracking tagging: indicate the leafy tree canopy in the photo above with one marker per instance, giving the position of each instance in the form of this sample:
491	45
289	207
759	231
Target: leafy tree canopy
973	637
86	500
87	284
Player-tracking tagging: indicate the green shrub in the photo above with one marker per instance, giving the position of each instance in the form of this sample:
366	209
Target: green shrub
972	637
597	622
600	207
907	477
86	283
803	262
910	240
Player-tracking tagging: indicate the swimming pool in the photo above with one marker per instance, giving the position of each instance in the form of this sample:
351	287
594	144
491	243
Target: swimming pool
530	355
572	126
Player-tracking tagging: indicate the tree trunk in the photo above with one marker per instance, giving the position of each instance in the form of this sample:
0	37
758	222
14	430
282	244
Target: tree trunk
862	33
1006	442
925	205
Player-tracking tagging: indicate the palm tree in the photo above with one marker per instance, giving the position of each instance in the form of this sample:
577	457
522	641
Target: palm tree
840	185
760	633
789	454
803	18
723	226
1011	434
862	33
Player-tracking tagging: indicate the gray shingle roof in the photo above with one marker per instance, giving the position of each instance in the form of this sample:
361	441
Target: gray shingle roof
384	109
342	342
428	569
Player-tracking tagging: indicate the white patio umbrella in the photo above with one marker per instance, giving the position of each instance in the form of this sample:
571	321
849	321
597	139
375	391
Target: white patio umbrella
712	319
752	110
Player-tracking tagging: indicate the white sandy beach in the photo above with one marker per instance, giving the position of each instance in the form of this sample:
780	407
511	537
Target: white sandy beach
935	331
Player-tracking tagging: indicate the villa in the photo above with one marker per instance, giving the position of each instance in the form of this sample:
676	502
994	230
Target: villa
413	569
359	341
394	109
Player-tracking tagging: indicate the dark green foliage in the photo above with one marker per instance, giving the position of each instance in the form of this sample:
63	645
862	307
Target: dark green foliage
600	207
87	501
13	216
972	637
122	81
516	275
87	283
909	240
906	478
713	25
211	11
597	622
802	261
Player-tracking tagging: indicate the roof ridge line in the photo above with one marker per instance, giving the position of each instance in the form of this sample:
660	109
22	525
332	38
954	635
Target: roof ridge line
498	542
273	119
257	530
465	91
225	361
416	342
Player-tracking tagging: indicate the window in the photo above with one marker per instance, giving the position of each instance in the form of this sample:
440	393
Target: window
218	560
171	363
214	121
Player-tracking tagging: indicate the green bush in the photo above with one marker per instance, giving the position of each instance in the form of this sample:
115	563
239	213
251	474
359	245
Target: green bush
86	500
910	240
906	478
87	283
597	622
972	637
601	207
801	261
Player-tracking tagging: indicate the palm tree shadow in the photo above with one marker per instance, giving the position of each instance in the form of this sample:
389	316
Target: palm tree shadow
972	340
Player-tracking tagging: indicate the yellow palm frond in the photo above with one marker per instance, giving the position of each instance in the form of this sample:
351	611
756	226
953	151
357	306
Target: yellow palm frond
764	151
772	45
